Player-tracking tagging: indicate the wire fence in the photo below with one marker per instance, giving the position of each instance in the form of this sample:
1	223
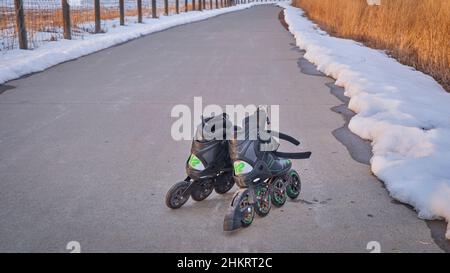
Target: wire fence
7	26
28	24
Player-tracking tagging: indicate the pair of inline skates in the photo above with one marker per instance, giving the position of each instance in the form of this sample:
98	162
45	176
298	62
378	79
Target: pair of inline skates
250	159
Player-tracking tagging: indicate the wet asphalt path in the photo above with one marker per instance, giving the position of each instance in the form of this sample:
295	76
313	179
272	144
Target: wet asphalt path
86	152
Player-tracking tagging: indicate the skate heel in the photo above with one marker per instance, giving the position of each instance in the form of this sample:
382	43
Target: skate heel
232	220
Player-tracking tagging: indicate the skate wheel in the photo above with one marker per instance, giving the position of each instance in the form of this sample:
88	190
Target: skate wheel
294	185
247	210
241	213
224	183
263	200
278	192
202	189
176	196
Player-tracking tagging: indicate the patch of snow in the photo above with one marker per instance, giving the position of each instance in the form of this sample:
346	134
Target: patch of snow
16	63
405	113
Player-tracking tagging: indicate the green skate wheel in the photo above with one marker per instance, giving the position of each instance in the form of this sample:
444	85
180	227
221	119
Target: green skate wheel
224	183
247	210
202	189
263	203
294	185
241	212
278	192
176	196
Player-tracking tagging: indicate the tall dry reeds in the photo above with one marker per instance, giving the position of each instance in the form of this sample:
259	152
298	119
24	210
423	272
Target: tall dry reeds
415	32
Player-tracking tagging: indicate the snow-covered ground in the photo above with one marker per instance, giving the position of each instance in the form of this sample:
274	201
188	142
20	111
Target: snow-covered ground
405	113
16	63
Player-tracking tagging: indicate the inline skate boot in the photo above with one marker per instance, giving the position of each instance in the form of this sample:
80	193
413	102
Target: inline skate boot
263	174
208	167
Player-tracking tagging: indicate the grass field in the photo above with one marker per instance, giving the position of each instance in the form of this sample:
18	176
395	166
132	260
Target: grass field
415	32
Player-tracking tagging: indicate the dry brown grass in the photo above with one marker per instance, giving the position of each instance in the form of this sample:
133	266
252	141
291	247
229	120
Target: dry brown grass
54	17
415	32
50	21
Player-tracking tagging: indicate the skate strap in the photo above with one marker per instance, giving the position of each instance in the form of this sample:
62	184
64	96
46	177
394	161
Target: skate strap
285	137
304	155
289	138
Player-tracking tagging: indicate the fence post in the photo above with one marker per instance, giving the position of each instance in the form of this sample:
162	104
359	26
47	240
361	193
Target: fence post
20	22
166	7
217	4
122	12
185	5
204	4
193	5
221	3
177	6
200	5
97	16
139	10
210	4
154	9
66	19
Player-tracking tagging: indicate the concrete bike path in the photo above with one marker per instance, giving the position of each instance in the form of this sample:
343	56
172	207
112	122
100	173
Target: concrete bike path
86	153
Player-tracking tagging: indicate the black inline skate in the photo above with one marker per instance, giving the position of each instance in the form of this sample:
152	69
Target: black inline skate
263	174
209	165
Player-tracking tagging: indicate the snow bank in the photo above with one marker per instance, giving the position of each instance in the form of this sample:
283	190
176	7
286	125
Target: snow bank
405	113
16	63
